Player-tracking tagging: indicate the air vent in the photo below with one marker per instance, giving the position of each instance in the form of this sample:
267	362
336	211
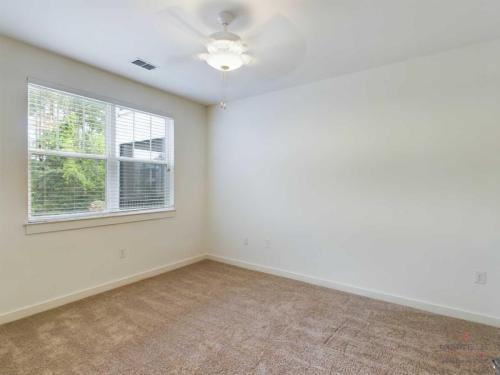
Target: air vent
143	64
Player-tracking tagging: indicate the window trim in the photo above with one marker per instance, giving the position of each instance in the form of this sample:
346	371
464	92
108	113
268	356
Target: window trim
57	224
50	223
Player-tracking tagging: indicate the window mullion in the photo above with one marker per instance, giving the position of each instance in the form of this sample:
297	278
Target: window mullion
169	155
112	170
66	154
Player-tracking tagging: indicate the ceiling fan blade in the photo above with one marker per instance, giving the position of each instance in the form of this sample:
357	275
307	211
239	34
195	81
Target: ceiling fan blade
174	17
180	60
277	47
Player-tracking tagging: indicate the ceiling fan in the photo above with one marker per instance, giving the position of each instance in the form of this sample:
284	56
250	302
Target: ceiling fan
276	46
226	50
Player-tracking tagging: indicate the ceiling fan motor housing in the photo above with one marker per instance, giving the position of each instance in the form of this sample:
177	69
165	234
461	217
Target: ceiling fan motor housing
225	18
225	35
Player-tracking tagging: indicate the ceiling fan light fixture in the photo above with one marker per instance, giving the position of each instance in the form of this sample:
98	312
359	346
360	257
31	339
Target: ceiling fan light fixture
226	52
225	61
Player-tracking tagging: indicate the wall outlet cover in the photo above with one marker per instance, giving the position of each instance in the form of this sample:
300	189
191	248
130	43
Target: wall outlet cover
481	278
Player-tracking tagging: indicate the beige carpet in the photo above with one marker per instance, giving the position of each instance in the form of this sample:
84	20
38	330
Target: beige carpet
211	318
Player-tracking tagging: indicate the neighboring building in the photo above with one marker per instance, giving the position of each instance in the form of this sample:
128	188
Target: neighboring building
142	184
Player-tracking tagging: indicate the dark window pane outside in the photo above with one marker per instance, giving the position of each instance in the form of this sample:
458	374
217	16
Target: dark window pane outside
156	145
142	185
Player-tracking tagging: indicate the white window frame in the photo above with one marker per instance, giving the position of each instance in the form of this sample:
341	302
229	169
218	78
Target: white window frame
113	214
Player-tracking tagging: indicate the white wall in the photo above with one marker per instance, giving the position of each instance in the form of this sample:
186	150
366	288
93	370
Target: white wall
388	179
34	268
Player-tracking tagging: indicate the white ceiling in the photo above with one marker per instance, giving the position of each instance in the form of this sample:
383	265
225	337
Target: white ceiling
293	41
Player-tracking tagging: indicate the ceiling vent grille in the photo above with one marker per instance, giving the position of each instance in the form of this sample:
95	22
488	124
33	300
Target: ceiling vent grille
143	64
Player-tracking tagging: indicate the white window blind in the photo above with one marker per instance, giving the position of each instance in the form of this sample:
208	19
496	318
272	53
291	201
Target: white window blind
90	157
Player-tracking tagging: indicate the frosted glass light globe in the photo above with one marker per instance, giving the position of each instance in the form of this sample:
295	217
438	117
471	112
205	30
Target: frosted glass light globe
226	54
225	61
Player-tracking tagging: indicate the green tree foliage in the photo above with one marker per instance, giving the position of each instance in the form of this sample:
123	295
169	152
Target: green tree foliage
62	184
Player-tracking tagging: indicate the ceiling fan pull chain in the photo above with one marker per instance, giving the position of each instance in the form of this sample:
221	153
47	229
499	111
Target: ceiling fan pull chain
223	103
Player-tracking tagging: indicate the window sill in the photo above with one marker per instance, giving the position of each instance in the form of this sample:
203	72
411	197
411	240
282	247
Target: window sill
56	225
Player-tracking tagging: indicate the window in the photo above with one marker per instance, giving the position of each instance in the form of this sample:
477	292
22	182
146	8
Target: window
88	157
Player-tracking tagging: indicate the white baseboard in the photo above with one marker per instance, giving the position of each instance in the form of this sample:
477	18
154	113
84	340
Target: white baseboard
400	300
422	305
75	296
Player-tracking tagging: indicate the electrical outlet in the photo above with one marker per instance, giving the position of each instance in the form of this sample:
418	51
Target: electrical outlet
245	242
481	278
122	253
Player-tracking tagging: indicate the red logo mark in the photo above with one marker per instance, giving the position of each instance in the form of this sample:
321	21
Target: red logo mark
466	336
